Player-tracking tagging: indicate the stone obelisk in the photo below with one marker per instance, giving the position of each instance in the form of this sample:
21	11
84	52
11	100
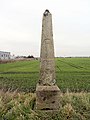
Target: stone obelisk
47	92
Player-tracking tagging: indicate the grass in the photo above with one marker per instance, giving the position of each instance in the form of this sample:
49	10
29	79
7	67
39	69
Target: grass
71	73
19	79
21	106
22	75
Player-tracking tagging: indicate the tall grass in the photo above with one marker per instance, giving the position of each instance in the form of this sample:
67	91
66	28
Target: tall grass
21	106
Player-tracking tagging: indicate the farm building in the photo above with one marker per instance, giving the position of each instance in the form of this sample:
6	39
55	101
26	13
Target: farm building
4	55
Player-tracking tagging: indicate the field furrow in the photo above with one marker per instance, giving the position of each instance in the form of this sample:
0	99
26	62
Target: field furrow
71	73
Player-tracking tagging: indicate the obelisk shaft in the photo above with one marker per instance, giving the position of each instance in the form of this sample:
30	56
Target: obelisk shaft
47	64
47	92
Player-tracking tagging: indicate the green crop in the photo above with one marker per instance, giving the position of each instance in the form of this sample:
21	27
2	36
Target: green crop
71	73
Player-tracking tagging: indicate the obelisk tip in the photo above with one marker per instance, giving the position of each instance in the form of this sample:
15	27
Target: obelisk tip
46	12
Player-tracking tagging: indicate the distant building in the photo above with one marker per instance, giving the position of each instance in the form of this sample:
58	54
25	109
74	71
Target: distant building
4	55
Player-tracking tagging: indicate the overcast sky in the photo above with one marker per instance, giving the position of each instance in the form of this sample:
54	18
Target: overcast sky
21	21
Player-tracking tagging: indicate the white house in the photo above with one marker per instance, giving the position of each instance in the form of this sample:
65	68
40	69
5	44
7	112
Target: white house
4	55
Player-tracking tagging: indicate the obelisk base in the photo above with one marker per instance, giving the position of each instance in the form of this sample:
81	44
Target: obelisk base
47	97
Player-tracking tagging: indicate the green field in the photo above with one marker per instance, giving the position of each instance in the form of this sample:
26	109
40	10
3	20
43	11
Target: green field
71	73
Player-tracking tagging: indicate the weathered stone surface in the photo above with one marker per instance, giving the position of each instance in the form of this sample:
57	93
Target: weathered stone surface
48	97
47	92
47	65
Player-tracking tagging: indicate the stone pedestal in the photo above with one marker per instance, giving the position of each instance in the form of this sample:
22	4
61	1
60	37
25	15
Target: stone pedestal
47	97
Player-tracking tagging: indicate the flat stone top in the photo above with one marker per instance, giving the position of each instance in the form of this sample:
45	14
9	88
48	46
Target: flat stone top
47	88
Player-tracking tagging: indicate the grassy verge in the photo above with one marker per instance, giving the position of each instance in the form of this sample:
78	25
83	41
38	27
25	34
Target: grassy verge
20	106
